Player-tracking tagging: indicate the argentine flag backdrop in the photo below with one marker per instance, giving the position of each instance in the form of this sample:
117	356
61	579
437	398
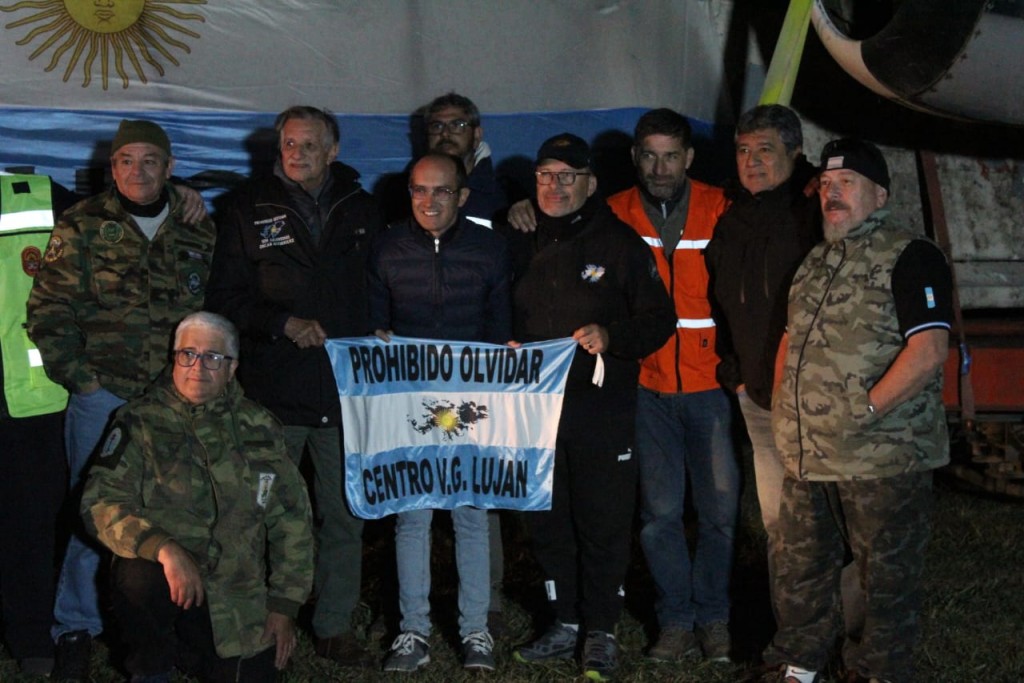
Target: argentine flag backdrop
432	424
215	73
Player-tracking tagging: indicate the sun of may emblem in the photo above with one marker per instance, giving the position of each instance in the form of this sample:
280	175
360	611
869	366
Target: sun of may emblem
452	420
110	32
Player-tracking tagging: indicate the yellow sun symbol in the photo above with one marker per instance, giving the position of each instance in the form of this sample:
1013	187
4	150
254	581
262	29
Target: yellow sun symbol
448	420
106	29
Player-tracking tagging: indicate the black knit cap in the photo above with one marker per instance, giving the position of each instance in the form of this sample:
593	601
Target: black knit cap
856	155
566	147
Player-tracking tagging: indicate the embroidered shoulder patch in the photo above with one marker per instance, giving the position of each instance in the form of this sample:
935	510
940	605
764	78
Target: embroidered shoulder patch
266	483
55	249
112	448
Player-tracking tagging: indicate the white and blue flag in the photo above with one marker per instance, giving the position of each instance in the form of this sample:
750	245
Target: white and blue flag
436	424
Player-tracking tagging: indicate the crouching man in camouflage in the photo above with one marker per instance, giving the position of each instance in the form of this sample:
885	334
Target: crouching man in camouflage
209	520
858	419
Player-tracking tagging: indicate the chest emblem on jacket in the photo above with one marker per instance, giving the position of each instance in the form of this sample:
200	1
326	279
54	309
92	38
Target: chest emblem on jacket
592	273
112	232
272	232
31	259
266	483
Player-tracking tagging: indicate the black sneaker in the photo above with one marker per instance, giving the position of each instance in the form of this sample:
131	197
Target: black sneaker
74	650
558	643
478	651
600	656
408	653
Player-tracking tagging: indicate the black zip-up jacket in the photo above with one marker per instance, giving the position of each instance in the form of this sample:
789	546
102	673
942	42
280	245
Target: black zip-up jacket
456	286
266	268
754	252
590	267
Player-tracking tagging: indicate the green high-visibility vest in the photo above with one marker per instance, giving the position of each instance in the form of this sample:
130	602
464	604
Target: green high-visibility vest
26	220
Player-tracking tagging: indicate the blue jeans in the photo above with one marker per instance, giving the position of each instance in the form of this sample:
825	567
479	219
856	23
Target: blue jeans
77	605
339	534
680	438
472	558
768	470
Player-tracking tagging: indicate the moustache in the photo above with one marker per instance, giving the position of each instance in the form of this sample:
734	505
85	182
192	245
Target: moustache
835	205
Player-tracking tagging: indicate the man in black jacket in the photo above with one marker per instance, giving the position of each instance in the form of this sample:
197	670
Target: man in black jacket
773	221
587	275
759	241
289	271
439	275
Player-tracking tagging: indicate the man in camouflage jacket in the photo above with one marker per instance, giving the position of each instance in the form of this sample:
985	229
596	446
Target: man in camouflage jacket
859	422
194	492
120	270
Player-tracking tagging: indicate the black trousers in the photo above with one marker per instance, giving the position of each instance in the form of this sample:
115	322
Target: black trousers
160	635
583	542
33	481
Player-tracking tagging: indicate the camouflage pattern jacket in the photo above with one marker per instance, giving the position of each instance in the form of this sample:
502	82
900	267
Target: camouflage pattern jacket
215	478
843	336
106	300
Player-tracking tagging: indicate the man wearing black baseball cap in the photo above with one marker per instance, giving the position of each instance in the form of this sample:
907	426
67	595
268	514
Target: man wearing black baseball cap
583	273
860	425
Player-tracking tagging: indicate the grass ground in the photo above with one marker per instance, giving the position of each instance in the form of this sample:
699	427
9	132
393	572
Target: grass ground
973	616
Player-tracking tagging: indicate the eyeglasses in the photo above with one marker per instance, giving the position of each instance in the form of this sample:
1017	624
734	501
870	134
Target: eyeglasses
441	194
564	177
454	127
186	358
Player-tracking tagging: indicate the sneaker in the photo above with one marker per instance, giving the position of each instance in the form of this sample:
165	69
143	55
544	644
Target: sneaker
344	650
558	643
409	652
600	656
715	641
74	650
674	644
773	673
477	651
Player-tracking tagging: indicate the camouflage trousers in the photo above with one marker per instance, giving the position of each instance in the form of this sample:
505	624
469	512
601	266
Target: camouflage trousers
887	525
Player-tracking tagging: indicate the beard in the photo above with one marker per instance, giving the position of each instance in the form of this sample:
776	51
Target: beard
662	187
833	233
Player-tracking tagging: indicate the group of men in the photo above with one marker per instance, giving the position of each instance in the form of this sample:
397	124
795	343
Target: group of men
678	294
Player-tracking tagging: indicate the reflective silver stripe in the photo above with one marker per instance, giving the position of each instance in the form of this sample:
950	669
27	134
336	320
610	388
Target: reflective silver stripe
682	244
480	221
695	323
40	218
35	359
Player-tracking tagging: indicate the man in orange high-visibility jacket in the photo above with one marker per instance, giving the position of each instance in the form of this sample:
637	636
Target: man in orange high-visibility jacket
684	418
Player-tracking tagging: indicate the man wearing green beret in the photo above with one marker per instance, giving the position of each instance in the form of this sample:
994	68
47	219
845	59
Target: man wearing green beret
121	269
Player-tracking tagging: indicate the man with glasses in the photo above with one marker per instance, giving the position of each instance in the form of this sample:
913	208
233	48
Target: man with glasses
684	418
120	270
194	493
440	276
452	123
585	274
289	271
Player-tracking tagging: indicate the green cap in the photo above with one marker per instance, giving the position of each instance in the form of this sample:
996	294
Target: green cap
140	131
